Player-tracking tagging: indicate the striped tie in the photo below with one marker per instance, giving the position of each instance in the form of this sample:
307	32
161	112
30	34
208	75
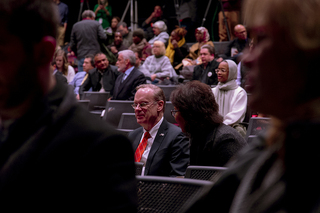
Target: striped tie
142	146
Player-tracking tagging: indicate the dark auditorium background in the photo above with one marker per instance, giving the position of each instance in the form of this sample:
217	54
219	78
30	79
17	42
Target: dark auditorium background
145	8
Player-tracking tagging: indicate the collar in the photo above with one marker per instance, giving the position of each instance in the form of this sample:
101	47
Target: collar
153	132
128	71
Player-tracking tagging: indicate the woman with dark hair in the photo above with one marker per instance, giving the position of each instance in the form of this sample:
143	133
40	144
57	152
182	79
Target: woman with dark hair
197	113
177	48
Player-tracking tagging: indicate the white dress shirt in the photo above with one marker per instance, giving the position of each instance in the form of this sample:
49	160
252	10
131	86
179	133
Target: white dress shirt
153	133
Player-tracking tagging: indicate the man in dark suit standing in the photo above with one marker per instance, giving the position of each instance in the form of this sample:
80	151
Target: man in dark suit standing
54	154
86	36
130	78
160	145
102	78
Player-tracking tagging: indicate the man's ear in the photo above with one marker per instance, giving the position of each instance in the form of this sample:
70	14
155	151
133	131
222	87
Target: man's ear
160	105
44	50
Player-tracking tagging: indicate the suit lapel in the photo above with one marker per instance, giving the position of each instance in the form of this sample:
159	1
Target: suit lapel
156	143
95	80
137	139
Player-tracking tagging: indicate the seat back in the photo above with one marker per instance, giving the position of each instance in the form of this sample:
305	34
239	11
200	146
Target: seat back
114	110
167	194
256	126
210	173
221	47
98	100
167	89
128	121
84	103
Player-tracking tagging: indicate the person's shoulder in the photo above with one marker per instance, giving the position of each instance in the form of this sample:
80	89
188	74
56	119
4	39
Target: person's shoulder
135	132
92	71
113	68
227	131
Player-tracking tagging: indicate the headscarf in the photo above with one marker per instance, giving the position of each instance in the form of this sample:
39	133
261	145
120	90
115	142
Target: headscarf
161	25
205	33
231	82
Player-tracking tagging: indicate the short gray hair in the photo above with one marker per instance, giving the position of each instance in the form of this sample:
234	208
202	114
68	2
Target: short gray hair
128	54
88	14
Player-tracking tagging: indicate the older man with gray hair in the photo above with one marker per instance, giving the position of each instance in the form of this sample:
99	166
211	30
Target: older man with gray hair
85	37
131	77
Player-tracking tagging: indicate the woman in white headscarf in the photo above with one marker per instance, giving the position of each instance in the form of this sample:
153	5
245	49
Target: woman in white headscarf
231	98
160	33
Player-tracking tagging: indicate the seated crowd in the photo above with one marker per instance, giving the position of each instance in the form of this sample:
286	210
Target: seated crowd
132	66
55	148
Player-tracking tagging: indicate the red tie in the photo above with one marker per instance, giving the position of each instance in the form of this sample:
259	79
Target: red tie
142	146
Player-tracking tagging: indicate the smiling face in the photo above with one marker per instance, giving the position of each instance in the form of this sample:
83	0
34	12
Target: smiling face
150	114
223	76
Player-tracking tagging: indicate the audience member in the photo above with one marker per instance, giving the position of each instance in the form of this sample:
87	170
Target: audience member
63	66
267	177
126	34
140	44
177	47
85	37
197	113
102	78
117	45
53	151
63	22
232	14
78	79
202	36
236	46
103	13
158	144
131	77
157	67
205	72
160	33
156	15
138	60
112	29
231	98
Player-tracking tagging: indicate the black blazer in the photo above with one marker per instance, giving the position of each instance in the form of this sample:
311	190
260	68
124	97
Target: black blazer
93	80
127	89
170	152
207	76
59	156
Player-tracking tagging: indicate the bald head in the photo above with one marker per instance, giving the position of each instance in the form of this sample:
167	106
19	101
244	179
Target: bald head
240	32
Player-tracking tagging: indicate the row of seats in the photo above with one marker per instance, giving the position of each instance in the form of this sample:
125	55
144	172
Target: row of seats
174	194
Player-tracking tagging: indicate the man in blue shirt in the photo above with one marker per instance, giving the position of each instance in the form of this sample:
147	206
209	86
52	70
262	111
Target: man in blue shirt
78	79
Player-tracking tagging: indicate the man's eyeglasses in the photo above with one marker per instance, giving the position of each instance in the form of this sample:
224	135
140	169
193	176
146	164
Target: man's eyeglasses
142	105
220	70
173	112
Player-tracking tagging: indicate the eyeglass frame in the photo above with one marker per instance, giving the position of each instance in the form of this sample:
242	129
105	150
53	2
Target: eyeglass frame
134	106
173	112
220	70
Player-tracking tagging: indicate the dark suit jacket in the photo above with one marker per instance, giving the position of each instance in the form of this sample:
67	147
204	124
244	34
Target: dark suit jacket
169	154
85	38
58	156
93	80
208	75
127	89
